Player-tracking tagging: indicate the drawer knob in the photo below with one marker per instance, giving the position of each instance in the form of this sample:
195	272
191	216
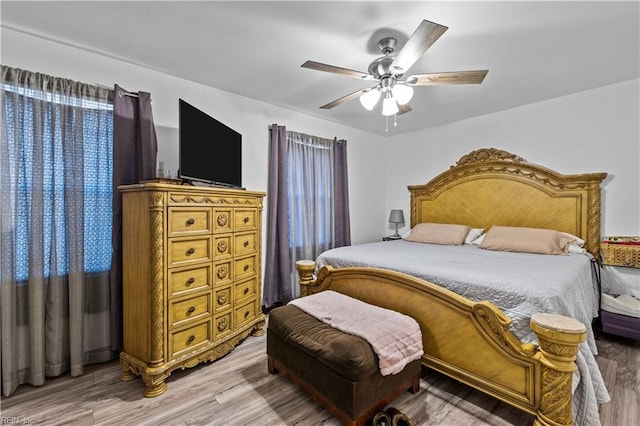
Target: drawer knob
222	272
191	310
246	268
223	324
191	221
222	246
246	219
246	314
191	339
246	244
191	251
246	290
191	281
222	298
222	219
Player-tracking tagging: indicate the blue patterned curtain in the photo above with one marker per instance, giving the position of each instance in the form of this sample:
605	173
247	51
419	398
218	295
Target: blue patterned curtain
56	169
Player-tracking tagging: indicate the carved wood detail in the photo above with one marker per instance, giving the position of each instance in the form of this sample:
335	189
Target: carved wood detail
154	343
156	208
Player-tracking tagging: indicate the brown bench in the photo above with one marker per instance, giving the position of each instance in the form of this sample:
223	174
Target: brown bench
338	370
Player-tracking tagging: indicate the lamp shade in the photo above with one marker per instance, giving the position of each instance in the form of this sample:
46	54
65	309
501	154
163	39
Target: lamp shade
402	93
389	105
370	99
396	216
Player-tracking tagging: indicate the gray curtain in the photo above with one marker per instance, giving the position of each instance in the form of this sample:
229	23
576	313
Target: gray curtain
341	194
308	207
277	280
54	271
135	150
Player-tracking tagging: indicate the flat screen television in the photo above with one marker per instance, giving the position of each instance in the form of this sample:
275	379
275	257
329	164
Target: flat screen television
209	151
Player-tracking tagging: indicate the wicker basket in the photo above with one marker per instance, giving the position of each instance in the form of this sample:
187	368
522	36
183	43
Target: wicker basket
620	254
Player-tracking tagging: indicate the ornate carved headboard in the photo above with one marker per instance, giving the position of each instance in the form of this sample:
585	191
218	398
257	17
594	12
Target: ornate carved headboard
493	187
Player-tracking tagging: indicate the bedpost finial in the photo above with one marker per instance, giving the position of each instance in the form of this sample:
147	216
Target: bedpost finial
558	337
306	268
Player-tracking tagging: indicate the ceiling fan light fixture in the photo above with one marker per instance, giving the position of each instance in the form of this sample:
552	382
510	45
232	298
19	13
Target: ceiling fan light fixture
402	93
370	98
389	105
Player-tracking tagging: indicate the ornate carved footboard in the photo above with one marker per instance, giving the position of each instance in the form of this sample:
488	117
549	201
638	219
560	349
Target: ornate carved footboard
471	341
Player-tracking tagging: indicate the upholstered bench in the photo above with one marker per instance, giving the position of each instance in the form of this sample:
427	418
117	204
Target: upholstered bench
338	370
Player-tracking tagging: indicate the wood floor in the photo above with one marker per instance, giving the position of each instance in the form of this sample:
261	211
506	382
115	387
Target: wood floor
238	390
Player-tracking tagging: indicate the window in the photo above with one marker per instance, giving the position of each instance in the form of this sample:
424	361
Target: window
56	145
310	194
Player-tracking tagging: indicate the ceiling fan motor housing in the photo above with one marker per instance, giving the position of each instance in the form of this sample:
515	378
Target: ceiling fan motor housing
381	66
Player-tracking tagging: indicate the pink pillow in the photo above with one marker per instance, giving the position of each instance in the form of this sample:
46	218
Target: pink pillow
526	240
438	233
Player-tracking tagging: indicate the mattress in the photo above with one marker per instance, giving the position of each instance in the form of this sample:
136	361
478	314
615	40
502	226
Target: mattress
520	284
623	304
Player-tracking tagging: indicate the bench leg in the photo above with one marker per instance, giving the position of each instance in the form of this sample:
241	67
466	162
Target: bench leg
270	365
415	384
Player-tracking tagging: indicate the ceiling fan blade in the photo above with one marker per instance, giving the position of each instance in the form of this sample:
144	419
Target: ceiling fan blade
404	109
422	38
318	66
344	99
455	77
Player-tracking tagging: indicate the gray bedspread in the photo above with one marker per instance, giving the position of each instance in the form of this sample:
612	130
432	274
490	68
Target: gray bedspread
520	284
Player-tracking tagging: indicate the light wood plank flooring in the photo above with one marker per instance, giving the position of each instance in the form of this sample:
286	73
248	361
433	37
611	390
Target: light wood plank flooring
238	390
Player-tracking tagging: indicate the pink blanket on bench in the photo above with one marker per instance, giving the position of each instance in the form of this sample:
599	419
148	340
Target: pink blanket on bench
395	337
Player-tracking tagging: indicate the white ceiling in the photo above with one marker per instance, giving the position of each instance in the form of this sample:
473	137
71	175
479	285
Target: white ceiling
533	50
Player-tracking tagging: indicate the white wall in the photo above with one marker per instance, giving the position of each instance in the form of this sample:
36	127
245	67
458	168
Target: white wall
365	151
592	131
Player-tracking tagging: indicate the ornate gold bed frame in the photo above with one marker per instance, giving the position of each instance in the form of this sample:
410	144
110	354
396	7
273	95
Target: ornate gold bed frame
471	341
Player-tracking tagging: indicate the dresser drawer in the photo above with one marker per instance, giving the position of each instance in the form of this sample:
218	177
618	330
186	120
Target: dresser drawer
186	221
222	325
245	219
186	280
244	243
222	246
245	289
222	220
222	299
245	313
189	339
191	309
190	250
222	273
244	267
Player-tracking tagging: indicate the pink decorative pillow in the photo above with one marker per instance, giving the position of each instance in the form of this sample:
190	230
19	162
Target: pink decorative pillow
526	240
438	233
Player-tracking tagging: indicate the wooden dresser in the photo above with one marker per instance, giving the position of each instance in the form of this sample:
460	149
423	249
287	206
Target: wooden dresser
191	277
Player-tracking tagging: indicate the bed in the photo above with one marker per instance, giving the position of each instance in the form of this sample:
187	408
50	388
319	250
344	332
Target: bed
531	348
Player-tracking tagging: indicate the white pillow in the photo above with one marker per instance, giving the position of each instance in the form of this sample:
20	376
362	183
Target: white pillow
478	240
473	234
577	245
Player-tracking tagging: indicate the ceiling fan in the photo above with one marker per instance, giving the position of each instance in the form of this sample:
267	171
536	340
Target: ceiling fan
388	70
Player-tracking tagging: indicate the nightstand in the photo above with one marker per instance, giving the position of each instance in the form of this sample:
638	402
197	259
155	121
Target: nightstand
620	252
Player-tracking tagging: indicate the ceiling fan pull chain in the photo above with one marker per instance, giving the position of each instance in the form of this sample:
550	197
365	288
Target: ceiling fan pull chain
386	120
